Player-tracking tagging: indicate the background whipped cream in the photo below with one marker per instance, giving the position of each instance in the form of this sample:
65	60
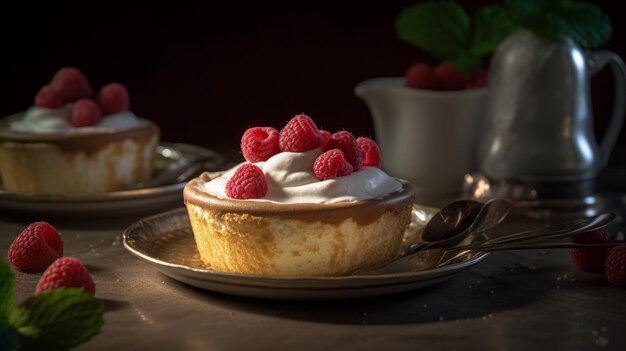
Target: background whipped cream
48	120
291	179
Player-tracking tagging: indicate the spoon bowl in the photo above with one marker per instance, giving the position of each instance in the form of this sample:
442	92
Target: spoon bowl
458	220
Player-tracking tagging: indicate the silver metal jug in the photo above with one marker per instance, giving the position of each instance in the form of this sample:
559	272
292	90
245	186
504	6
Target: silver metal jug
539	123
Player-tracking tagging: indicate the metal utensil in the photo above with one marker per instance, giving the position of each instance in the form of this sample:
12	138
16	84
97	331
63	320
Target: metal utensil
537	239
455	222
530	239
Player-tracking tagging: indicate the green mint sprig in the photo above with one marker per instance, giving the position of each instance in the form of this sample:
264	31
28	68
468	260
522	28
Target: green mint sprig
52	320
444	30
584	22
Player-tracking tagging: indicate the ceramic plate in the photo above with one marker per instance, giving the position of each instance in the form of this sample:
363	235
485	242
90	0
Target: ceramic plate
166	242
135	200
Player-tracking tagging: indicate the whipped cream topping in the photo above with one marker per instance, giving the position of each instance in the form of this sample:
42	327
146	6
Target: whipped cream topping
48	120
290	179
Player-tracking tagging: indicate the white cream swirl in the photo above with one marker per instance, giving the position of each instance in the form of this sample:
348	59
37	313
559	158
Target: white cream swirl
47	120
291	179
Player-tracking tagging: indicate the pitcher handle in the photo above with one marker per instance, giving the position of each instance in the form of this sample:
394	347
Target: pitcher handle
598	60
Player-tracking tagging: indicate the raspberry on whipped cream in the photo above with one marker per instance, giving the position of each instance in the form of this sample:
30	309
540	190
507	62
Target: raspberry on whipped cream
65	105
291	177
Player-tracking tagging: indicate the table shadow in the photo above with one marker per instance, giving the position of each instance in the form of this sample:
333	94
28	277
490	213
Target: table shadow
473	294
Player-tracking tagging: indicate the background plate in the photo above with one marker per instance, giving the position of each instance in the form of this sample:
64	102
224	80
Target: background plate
138	200
166	242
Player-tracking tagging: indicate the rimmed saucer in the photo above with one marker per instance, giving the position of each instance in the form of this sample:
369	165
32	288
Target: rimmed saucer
166	242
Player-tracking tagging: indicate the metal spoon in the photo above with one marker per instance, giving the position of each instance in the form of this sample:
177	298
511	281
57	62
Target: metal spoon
537	238
456	221
531	239
453	224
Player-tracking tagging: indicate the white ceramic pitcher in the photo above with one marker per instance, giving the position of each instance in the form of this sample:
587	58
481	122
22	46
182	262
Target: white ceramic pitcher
426	137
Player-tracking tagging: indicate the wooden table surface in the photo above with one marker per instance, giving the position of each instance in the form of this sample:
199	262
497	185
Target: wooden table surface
517	300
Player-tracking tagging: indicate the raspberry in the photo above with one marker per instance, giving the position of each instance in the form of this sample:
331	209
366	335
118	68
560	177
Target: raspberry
35	248
48	97
248	182
260	143
85	113
590	258
420	76
370	151
615	266
448	78
326	135
113	98
66	272
345	142
300	134
476	80
331	164
71	84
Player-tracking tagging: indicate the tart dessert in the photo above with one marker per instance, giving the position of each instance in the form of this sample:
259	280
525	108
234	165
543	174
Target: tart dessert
71	142
305	203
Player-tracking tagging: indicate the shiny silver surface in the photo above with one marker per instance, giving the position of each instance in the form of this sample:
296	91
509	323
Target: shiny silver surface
459	220
139	200
539	238
166	242
429	256
539	123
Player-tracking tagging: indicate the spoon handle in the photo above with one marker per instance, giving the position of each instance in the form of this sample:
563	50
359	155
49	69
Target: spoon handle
570	228
501	247
536	245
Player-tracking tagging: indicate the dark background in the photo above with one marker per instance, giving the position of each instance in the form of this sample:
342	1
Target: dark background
207	71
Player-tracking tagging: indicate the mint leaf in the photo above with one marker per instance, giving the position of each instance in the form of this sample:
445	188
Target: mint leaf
60	318
6	291
584	22
490	25
441	29
528	14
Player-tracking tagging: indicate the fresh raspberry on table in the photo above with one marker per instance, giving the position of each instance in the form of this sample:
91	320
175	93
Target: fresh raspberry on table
448	78
590	258
85	113
370	151
331	164
113	98
345	142
35	248
615	266
71	84
421	76
66	272
48	97
260	143
248	182
300	134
